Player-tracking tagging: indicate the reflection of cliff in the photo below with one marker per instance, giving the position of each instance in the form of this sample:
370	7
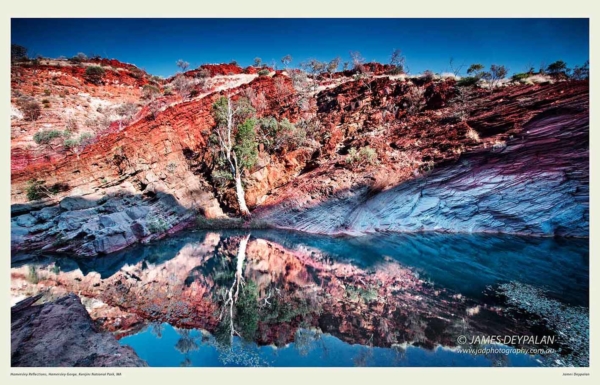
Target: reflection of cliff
275	292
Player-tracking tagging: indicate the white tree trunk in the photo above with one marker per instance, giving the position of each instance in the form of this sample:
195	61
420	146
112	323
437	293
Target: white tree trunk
239	190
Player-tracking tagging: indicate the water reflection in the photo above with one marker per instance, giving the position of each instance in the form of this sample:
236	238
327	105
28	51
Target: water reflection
236	292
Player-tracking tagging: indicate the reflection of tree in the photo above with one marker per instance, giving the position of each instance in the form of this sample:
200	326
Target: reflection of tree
186	344
156	328
416	327
243	311
305	339
364	356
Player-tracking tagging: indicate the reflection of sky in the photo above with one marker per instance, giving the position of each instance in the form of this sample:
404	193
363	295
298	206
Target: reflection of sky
325	351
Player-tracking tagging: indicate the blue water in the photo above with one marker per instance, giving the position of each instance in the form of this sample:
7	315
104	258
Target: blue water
324	351
464	263
463	268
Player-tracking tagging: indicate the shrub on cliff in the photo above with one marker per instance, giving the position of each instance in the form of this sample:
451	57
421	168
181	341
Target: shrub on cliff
558	69
31	109
46	136
183	86
581	73
475	70
156	225
94	74
150	91
519	77
263	72
276	136
398	62
364	156
496	74
79	58
467	81
37	190
17	53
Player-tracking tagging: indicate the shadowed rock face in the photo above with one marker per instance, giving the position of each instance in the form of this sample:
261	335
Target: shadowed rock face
536	181
61	333
537	184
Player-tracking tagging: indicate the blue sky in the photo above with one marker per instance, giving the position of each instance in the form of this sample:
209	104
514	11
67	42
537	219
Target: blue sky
156	44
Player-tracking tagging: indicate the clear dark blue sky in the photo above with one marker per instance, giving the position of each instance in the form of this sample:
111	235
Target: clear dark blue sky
156	44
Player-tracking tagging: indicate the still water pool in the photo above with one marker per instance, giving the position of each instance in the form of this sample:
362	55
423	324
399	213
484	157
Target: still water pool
275	298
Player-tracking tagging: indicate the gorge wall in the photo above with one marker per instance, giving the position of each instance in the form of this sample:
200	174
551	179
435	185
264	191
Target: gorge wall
515	161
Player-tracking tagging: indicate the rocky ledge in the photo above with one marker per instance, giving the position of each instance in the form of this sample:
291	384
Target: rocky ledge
61	333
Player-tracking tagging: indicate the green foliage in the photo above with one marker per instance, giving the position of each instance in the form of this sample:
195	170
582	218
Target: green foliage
356	293
33	276
263	72
156	225
221	177
149	91
283	310
36	189
366	155
46	136
245	148
47	92
247	311
31	109
55	269
276	135
17	53
557	68
521	76
467	81
94	74
71	143
476	70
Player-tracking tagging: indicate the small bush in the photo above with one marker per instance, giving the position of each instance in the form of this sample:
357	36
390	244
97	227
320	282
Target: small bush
71	143
55	269
47	92
149	91
37	190
171	167
467	81
263	72
366	155
221	177
519	77
157	225
33	275
168	91
46	136
94	74
31	110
